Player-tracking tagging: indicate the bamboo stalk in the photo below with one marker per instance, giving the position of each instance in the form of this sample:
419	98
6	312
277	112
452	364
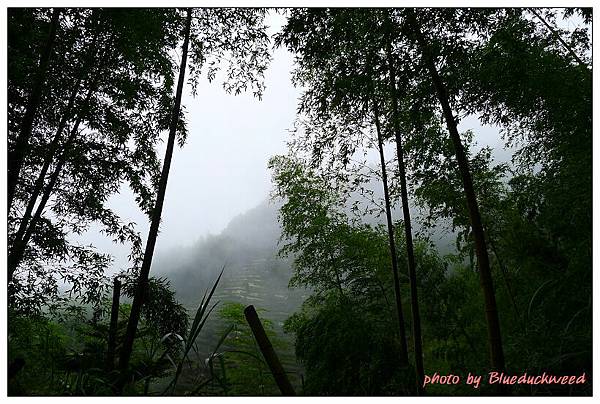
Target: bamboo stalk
268	352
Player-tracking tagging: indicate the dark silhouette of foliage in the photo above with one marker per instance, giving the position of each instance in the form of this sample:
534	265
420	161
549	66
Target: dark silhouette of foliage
91	93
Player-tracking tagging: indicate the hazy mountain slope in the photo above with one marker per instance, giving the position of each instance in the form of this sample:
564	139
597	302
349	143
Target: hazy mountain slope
247	248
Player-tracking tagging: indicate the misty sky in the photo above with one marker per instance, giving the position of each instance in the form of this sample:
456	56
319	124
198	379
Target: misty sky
222	169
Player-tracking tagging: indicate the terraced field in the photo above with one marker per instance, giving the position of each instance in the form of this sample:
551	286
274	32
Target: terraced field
262	282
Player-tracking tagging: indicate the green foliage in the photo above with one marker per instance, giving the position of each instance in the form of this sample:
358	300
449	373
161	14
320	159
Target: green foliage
161	308
41	344
347	349
233	40
320	237
61	357
243	370
97	127
342	332
65	351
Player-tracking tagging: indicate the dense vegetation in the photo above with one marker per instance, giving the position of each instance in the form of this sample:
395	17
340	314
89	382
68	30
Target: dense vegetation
90	93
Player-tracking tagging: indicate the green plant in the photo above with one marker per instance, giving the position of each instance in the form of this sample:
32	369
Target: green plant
204	310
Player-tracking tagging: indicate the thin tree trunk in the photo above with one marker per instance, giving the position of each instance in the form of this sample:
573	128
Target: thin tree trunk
140	292
39	183
48	158
16	254
17	155
410	254
491	311
112	331
504	273
392	241
554	32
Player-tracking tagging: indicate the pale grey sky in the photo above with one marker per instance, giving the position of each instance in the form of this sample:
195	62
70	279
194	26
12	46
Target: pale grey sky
222	169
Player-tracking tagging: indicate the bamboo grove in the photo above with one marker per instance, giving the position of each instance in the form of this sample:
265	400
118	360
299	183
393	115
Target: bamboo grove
91	92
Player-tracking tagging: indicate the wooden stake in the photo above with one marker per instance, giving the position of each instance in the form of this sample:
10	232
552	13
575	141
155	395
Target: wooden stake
268	352
112	331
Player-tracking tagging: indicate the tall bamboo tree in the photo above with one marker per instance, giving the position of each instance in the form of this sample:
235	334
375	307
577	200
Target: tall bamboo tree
389	221
341	69
483	263
142	282
208	39
410	253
